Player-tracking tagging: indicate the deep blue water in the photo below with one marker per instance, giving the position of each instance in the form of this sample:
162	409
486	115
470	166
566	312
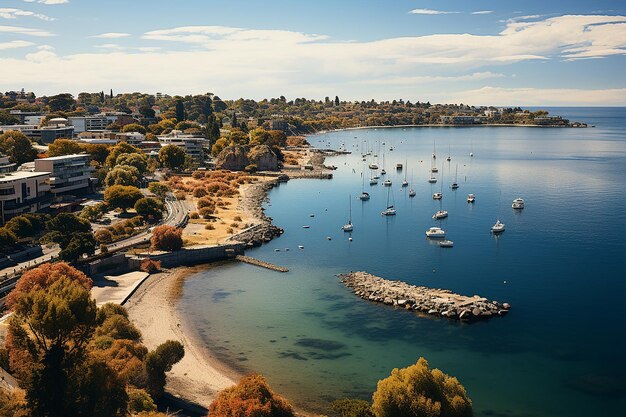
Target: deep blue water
561	263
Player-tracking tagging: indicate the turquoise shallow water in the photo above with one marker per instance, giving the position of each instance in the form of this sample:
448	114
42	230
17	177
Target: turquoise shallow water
561	263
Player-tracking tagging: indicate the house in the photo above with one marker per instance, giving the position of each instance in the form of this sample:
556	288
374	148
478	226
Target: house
193	146
68	173
23	192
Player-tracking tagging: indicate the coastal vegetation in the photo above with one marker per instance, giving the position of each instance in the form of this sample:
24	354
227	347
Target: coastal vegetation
72	358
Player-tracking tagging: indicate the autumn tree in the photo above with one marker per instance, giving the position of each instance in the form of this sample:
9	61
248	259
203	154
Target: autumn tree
352	408
64	147
167	238
159	189
97	151
252	397
134	127
135	159
122	196
420	391
117	150
17	147
172	157
7	239
150	208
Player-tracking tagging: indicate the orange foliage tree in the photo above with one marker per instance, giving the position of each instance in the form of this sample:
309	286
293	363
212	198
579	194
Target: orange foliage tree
166	238
252	397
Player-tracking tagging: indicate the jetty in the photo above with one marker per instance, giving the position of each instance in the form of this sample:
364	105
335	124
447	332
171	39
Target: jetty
424	300
263	264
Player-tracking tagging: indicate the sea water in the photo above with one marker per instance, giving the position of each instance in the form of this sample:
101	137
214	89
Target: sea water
561	264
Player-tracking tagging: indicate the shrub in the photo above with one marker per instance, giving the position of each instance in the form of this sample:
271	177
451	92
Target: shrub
139	401
166	238
230	231
252	397
419	391
150	266
180	195
103	236
199	192
194	215
209	227
237	218
352	408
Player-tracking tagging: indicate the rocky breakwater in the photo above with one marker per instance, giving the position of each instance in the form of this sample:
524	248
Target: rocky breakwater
430	301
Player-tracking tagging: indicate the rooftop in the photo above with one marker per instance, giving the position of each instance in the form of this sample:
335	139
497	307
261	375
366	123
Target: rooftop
20	175
64	157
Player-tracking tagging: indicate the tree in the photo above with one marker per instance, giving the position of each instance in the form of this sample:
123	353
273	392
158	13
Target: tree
63	226
252	397
7	239
21	226
150	208
134	127
117	150
167	238
180	110
160	361
137	160
122	196
79	244
64	147
147	112
419	391
352	408
98	152
122	175
172	156
61	102
336	100
159	189
17	147
212	129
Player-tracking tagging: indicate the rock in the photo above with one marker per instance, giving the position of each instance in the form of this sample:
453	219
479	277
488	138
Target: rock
476	311
506	306
263	157
233	158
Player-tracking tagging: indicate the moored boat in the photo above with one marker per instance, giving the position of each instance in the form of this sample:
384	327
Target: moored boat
436	233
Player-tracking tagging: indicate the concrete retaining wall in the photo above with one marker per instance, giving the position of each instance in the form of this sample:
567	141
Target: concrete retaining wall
190	256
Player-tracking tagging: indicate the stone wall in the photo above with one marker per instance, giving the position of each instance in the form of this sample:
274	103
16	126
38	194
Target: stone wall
194	255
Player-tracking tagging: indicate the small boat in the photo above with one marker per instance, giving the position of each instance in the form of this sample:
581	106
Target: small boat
373	165
373	181
435	233
412	192
306	227
437	196
390	210
440	214
387	183
432	179
446	244
399	167
518	203
434	169
329	238
300	247
364	196
383	172
449	158
471	198
405	183
471	154
498	227
455	184
348	227
311	215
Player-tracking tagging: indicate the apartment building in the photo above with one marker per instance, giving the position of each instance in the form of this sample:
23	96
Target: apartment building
23	192
89	123
69	174
193	146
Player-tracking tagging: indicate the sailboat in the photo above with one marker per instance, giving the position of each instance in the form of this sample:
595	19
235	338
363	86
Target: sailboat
438	195
412	192
364	195
383	172
434	152
455	184
390	210
449	158
348	227
432	179
498	227
405	183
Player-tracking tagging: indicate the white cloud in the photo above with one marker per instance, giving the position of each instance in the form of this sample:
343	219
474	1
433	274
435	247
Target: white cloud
109	46
14	44
24	31
9	13
264	63
540	97
429	11
483	12
111	35
50	2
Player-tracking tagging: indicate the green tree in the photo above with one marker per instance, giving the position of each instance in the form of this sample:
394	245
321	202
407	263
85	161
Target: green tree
137	160
98	151
17	147
352	408
180	110
117	150
150	208
78	245
8	239
134	127
122	175
63	226
61	102
122	196
159	189
21	226
160	361
172	156
64	147
419	391
212	129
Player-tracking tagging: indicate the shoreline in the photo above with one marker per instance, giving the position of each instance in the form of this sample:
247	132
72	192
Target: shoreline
442	125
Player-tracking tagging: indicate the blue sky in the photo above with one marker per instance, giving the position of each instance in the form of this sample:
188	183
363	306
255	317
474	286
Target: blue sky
562	52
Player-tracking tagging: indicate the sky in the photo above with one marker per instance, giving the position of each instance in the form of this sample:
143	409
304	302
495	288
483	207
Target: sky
480	52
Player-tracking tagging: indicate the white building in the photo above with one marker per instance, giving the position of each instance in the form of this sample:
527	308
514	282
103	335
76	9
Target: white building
45	134
23	192
89	123
193	146
6	165
68	173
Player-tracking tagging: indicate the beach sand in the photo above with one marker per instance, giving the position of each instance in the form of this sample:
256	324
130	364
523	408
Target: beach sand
198	377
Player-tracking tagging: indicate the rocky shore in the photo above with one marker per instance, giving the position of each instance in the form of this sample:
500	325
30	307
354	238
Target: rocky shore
430	301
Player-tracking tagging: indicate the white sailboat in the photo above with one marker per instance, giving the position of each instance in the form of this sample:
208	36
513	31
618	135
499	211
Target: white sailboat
382	171
390	210
348	227
498	227
405	183
412	192
439	195
364	195
449	158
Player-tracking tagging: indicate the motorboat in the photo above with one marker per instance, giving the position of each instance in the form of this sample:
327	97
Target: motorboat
518	203
432	180
440	214
471	198
437	196
412	192
446	244
399	167
405	183
373	165
306	227
471	154
498	227
436	233
364	196
348	227
434	169
373	181
383	172
387	183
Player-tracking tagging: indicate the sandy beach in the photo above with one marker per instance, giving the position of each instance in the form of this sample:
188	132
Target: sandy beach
198	377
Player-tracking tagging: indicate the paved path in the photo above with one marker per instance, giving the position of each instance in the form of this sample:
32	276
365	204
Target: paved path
117	289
